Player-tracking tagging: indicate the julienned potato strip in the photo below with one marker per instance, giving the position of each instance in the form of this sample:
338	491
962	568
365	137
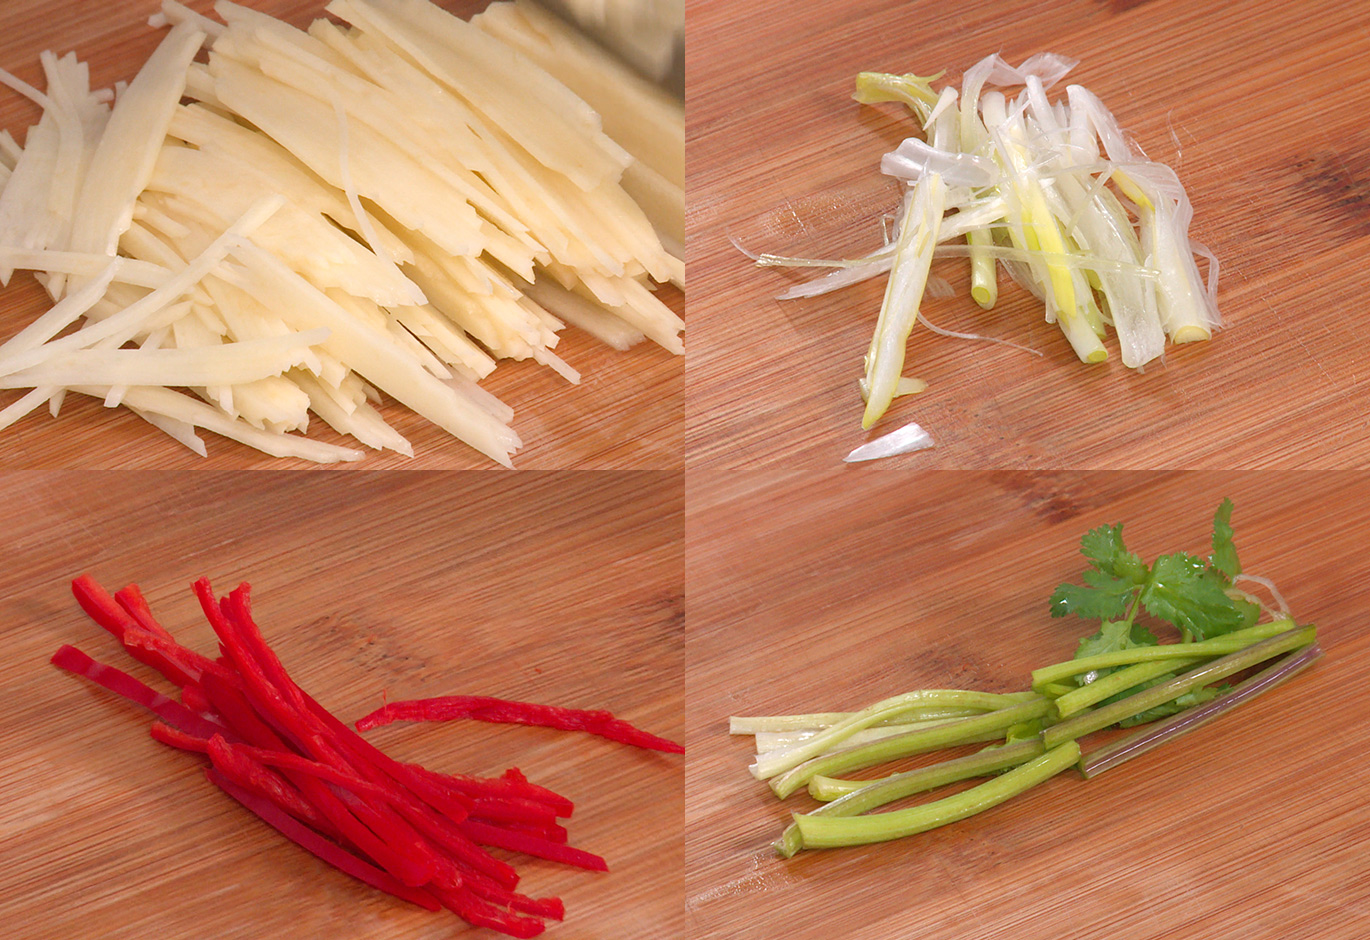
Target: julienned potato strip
1055	192
428	192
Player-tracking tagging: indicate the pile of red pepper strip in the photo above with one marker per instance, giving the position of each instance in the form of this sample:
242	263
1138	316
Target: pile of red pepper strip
411	832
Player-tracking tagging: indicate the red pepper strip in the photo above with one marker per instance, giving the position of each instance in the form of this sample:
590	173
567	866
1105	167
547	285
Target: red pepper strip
238	714
486	834
481	913
194	698
135	604
438	790
391	826
455	806
362	754
551	832
550	908
263	781
420	810
463	850
98	603
503	711
435	826
248	644
125	685
174	737
281	760
285	700
316	844
359	833
285	760
162	653
177	664
243	719
514	777
438	822
514	810
512	785
244	772
181	657
272	700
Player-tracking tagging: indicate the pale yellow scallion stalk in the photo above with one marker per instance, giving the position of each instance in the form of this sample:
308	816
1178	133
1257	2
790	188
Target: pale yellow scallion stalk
903	294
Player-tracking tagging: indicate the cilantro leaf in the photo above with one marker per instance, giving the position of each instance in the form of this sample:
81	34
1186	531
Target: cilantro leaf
1105	597
1224	551
1114	576
1105	550
1112	637
1182	589
1185	592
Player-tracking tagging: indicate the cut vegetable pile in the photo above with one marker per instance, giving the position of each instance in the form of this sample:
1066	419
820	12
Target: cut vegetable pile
307	220
1053	191
407	830
1120	676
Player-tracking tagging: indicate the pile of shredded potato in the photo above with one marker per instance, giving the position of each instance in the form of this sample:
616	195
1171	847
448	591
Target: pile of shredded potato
298	222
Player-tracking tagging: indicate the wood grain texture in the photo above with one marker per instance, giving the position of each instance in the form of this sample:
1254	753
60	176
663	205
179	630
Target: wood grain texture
628	411
808	594
555	587
1256	104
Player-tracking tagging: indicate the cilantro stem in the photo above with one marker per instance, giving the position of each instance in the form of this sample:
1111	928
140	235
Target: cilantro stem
778	762
981	728
1077	700
775	740
826	831
837	790
853	797
1218	646
1116	752
1102	717
758	724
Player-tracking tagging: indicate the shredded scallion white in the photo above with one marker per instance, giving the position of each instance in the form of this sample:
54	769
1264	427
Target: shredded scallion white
1052	190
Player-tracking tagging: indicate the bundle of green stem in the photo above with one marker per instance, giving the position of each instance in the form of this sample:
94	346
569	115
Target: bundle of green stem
1035	734
1120	676
1055	191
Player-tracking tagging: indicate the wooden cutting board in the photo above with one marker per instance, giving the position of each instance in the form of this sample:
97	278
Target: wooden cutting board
560	588
1258	106
628	410
807	594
